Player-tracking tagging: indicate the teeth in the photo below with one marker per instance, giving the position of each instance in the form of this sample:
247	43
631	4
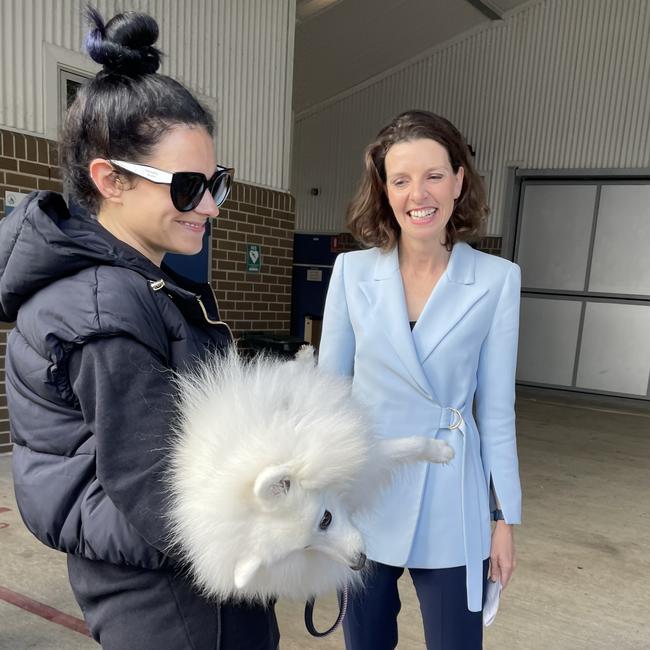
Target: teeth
193	226
420	214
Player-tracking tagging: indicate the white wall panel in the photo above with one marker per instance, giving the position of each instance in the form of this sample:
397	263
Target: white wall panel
548	337
236	55
556	84
621	258
615	350
555	225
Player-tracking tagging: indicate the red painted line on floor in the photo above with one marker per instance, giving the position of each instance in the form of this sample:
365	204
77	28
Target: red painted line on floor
44	611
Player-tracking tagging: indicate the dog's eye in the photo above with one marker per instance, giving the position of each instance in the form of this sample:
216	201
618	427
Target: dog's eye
325	521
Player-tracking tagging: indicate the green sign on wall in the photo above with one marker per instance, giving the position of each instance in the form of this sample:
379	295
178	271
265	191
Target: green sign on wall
253	258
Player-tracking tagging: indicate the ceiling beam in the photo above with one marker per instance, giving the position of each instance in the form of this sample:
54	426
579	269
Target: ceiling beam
485	9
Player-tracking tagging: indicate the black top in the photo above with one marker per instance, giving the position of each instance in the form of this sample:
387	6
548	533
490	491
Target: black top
98	329
412	324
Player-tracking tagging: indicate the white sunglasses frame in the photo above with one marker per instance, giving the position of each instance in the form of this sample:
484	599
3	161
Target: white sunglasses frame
150	173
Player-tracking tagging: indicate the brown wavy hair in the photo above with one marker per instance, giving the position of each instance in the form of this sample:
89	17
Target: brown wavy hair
370	217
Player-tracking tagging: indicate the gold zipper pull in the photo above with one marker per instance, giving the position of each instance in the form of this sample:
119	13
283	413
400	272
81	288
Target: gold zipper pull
157	285
213	322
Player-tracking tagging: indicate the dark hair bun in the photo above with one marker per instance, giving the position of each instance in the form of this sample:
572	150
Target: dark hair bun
124	45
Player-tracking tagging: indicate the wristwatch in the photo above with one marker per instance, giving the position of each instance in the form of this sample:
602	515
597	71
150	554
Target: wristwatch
497	515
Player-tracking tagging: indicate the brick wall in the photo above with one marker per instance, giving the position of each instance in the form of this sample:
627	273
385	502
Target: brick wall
247	301
254	301
345	242
27	163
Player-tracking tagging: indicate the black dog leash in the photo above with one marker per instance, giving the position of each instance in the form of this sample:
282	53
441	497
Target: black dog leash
309	614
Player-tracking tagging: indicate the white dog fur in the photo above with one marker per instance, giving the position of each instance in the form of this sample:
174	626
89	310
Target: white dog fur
264	450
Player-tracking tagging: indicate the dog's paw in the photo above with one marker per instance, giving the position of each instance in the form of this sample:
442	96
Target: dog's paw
440	452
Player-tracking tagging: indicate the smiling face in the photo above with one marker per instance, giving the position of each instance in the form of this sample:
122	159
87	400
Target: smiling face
421	187
145	217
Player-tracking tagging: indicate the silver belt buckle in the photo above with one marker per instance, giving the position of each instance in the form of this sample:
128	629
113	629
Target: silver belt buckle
458	420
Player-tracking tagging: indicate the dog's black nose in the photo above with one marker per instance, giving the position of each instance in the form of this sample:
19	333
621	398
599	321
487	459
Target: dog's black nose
360	563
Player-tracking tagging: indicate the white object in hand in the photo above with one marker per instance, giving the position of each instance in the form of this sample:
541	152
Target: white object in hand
491	606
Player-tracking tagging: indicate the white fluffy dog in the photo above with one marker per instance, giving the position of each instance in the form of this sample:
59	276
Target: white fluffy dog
272	462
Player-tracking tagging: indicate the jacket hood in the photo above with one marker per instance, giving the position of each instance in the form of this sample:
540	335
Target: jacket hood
41	242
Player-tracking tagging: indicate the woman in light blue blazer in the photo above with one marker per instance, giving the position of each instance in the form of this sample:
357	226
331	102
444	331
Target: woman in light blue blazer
427	328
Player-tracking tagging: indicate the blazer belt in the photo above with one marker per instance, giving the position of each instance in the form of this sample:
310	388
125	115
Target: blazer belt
452	419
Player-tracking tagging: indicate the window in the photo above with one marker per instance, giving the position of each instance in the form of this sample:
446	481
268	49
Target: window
63	72
69	84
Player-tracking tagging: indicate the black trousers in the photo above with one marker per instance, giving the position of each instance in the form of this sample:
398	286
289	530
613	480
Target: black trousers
134	609
371	619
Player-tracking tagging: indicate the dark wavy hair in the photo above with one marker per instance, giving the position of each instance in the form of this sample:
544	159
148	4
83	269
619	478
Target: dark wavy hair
369	215
125	110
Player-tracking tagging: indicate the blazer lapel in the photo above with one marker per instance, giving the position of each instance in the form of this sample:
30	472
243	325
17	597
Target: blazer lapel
385	295
453	296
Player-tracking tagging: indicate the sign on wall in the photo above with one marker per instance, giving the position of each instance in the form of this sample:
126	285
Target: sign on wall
12	199
253	258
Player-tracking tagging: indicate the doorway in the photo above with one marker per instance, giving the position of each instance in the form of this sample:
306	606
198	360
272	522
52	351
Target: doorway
583	244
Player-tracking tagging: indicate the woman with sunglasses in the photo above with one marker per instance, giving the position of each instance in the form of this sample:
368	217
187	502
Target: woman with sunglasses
100	325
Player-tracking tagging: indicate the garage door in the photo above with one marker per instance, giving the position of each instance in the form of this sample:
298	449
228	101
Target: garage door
584	251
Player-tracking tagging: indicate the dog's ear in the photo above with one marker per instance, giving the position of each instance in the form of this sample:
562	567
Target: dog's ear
245	570
272	484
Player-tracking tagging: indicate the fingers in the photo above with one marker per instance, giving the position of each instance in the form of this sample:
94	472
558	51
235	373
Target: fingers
495	574
506	569
506	573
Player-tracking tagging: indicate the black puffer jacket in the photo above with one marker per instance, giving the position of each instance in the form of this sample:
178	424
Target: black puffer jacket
98	328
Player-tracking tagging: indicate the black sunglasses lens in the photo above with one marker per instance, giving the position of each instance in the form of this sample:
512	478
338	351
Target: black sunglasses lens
187	189
220	187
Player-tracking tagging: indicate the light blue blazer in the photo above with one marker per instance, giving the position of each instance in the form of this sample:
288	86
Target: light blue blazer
461	353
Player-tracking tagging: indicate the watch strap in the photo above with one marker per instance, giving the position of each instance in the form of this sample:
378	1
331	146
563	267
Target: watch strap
497	515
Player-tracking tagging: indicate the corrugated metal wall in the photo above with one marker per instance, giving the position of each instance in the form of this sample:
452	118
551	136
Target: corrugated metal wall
239	53
557	84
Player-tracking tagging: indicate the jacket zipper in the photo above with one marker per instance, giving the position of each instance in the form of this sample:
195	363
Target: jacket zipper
214	322
157	285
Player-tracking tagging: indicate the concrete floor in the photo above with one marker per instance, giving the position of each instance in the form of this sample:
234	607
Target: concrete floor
584	549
